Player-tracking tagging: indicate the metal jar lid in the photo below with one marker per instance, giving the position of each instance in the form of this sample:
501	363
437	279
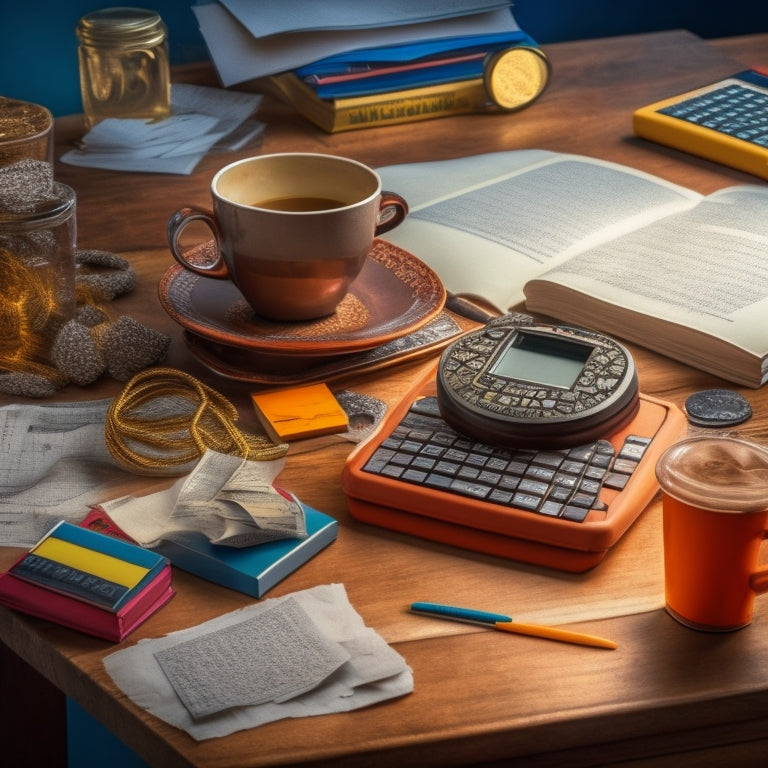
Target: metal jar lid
121	26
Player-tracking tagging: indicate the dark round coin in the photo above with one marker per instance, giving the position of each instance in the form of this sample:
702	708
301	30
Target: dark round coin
717	408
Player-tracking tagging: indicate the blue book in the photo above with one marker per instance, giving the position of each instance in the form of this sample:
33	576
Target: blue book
252	570
410	77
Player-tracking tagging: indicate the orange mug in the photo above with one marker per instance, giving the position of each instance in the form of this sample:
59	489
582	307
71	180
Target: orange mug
715	509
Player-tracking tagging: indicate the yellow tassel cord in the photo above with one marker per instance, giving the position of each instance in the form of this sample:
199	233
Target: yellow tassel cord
165	419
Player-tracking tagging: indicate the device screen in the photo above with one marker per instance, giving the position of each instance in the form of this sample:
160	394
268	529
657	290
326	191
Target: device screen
542	360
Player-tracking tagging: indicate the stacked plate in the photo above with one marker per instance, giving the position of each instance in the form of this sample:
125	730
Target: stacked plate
393	311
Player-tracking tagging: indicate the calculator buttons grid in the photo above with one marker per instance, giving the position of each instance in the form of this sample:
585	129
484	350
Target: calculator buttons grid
424	450
736	110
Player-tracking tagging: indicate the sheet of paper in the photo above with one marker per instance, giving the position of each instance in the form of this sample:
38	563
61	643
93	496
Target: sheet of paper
275	656
374	673
265	19
54	463
239	56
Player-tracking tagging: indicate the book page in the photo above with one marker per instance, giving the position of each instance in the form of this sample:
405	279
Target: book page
706	269
487	224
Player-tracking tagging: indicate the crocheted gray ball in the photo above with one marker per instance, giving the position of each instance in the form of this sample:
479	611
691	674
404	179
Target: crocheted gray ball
76	355
129	347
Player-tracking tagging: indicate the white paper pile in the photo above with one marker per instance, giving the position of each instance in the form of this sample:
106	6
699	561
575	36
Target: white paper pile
304	654
202	119
248	40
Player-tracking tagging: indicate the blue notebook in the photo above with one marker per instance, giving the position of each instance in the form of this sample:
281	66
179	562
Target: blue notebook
252	570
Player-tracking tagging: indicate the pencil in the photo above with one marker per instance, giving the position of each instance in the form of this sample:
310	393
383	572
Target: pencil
553	633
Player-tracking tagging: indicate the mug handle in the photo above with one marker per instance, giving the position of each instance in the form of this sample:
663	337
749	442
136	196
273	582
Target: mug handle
758	581
392	211
214	266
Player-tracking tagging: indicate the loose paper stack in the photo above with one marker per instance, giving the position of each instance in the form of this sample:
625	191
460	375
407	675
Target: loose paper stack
202	119
251	40
308	653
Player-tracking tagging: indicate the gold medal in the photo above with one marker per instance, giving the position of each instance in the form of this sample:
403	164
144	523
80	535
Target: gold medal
516	76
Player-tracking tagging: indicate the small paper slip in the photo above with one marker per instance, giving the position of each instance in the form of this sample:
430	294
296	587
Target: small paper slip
300	412
275	656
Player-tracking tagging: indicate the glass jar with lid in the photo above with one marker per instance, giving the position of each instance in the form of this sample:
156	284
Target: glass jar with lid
124	67
37	267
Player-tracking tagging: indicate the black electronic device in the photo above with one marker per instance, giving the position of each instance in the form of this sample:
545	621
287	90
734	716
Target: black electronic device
515	382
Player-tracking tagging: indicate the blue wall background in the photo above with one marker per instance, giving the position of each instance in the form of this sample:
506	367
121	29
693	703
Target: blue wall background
38	47
38	63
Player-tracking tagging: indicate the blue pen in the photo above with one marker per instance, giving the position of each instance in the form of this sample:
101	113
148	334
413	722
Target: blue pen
459	614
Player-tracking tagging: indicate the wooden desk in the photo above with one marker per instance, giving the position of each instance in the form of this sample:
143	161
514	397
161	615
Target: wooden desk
479	697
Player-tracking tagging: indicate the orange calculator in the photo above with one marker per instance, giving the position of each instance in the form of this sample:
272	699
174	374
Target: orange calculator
561	507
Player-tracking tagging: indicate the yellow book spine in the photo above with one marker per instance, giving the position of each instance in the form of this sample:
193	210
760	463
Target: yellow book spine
83	559
404	107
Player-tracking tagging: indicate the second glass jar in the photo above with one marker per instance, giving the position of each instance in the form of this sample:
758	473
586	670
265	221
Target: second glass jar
124	67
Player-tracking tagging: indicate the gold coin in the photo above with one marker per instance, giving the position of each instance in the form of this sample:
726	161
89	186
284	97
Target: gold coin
516	76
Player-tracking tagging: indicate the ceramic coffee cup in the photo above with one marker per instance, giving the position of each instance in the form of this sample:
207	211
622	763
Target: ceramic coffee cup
715	497
291	230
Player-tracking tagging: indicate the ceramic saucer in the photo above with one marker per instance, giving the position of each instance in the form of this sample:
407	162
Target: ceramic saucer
394	295
264	368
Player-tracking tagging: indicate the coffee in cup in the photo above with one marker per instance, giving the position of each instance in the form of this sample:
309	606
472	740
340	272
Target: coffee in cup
291	230
715	510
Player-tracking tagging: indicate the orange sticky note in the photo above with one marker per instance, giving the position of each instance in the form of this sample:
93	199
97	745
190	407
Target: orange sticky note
300	412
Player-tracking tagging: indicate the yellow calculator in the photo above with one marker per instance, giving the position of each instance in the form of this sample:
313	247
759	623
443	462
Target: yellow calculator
726	121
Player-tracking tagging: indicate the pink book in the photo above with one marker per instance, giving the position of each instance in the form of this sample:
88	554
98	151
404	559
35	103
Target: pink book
44	603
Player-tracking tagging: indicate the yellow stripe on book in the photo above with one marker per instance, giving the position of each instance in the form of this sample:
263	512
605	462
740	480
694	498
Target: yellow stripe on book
107	567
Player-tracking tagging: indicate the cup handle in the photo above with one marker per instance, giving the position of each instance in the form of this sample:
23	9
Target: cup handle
204	259
758	581
392	211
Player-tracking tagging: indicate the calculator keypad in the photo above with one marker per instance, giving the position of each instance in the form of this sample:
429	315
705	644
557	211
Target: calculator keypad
735	110
566	483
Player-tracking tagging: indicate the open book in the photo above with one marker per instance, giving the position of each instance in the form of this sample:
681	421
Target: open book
599	245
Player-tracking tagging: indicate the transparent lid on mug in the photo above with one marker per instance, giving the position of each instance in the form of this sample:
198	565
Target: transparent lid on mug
722	474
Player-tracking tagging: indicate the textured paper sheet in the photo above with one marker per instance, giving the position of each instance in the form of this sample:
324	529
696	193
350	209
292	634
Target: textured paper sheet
275	656
374	672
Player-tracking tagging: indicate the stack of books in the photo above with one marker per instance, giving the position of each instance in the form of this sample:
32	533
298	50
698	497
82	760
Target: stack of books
88	581
345	65
252	570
